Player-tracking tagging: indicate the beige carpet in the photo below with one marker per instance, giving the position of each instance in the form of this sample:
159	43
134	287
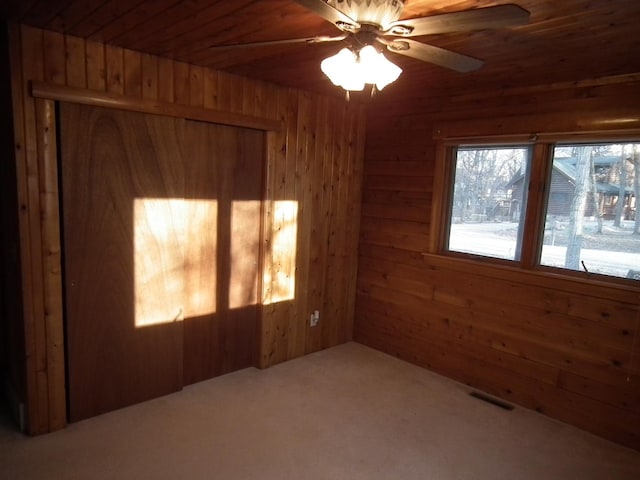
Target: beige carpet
345	413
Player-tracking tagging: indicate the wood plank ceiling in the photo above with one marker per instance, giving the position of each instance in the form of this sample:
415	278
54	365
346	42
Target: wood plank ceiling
565	41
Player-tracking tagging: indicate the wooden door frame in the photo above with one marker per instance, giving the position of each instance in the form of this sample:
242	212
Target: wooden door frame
45	348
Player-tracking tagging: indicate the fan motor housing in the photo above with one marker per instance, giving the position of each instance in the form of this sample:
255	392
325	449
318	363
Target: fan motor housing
373	12
368	34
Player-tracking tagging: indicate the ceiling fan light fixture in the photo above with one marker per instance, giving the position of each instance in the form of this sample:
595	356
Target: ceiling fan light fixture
342	70
400	30
377	12
376	68
351	70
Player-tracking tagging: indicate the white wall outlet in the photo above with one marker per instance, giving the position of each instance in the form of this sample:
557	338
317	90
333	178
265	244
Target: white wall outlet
315	318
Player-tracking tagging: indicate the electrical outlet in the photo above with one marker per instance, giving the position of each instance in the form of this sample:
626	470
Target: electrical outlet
315	318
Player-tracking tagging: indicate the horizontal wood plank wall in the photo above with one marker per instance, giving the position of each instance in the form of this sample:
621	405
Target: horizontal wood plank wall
562	347
314	164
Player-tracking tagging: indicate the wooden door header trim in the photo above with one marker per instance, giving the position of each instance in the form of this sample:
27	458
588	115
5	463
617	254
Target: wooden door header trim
108	100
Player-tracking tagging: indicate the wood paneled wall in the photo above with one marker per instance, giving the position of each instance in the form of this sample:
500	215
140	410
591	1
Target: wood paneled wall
314	162
565	347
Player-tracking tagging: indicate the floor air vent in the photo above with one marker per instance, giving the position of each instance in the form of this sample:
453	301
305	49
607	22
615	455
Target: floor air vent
493	401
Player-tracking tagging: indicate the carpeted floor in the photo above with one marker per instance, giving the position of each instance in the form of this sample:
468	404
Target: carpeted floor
345	413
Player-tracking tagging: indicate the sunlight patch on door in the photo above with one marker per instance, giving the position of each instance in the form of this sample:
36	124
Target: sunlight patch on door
245	245
279	277
200	257
172	238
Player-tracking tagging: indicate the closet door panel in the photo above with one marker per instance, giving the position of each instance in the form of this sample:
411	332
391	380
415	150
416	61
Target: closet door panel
122	176
224	176
202	355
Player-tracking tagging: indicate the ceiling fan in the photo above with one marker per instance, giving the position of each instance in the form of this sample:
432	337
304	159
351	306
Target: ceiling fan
370	26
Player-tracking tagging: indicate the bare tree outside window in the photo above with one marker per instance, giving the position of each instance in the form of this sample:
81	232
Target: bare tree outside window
593	227
594	198
591	220
635	161
577	209
489	195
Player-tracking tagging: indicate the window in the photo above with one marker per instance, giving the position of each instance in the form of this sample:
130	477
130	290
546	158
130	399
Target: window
586	220
590	216
488	201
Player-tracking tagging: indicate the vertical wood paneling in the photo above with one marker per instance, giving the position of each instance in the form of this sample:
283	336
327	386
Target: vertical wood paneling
149	76
316	237
353	231
346	197
76	62
307	166
181	82
337	222
273	342
210	89
225	82
236	94
54	61
165	80
329	130
48	166
32	48
305	144
342	304
115	69
290	317
196	86
96	69
132	74
253	98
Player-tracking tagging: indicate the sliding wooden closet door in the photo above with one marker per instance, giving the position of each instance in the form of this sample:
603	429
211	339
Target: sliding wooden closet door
224	187
124	234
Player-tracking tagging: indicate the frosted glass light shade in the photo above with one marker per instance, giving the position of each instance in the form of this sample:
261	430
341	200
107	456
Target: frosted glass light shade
352	71
342	70
376	69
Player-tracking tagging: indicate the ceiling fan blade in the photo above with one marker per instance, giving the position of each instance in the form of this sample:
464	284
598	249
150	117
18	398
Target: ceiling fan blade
479	19
436	55
319	39
333	15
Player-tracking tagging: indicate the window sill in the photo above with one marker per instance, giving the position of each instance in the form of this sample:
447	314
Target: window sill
549	277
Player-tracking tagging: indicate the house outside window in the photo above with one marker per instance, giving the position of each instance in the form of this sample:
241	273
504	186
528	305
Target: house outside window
486	204
588	221
595	229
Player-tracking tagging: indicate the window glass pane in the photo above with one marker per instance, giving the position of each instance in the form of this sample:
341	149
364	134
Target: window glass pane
591	217
488	202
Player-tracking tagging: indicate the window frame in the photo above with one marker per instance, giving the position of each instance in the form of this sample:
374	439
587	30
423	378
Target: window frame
539	176
451	165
